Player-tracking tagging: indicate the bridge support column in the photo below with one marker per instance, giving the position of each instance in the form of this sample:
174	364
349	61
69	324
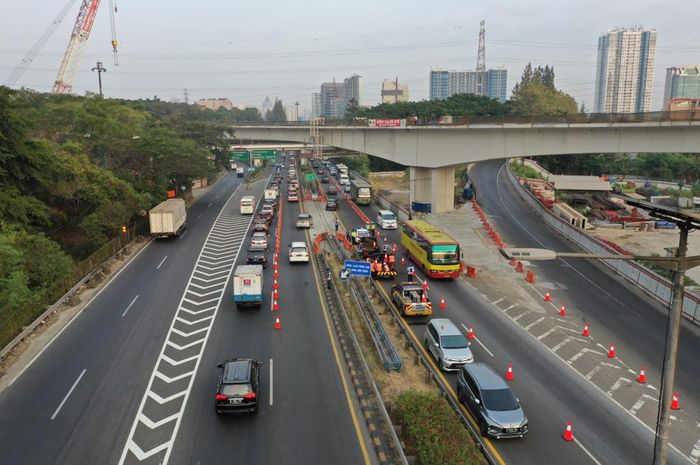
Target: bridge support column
434	186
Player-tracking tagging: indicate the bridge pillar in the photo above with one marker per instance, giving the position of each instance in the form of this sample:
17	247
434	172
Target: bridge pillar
434	186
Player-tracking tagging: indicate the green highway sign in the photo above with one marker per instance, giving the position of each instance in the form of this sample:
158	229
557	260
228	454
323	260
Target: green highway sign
310	177
265	154
240	155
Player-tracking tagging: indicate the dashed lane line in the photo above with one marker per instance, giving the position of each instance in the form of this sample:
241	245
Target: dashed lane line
130	305
70	391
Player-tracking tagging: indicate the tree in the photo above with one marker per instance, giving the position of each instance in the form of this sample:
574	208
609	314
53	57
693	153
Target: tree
536	95
277	113
351	107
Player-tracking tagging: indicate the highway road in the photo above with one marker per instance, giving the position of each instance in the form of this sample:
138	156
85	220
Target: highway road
550	391
89	397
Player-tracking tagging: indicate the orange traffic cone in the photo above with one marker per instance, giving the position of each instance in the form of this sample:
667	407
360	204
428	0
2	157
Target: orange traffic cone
275	294
275	285
470	333
585	332
403	261
547	298
509	373
568	434
275	265
674	402
443	305
642	378
278	325
275	306
275	274
611	352
562	311
423	298
425	285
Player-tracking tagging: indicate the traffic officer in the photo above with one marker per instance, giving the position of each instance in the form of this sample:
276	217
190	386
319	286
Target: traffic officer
329	277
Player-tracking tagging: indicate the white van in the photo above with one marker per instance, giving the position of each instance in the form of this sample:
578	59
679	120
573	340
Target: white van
344	179
386	219
247	205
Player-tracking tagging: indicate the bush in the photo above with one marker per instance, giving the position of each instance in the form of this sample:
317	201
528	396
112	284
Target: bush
524	171
432	426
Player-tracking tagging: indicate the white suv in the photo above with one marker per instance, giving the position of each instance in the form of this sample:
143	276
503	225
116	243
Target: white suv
298	252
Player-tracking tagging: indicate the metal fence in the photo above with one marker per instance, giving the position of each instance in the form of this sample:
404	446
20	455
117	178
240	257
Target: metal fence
642	277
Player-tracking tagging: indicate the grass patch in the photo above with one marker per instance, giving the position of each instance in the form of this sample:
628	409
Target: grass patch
524	171
434	431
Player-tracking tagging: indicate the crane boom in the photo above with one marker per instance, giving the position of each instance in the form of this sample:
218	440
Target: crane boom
76	46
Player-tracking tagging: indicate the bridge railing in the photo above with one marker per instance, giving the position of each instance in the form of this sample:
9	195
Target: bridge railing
576	118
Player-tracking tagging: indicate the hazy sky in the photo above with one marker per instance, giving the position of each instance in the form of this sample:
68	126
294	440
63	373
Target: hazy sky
247	50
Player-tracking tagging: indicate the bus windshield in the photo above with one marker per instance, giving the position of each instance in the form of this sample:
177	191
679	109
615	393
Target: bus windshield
363	191
445	254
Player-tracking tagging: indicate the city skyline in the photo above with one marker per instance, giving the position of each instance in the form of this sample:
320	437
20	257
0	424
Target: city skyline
221	62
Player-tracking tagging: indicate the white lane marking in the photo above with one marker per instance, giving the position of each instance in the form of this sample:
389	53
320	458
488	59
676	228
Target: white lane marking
640	403
588	453
695	453
77	314
566	341
210	203
521	315
70	391
617	385
498	190
599	367
183	234
583	352
539	320
161	262
477	340
198	216
496	302
508	308
132	303
271	378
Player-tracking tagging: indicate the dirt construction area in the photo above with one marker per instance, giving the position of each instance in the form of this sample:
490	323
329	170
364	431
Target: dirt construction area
651	242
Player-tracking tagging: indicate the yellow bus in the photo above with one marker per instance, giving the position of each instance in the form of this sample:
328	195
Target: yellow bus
431	249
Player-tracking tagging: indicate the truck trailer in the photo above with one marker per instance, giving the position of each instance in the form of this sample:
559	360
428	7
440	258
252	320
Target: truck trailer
168	218
247	285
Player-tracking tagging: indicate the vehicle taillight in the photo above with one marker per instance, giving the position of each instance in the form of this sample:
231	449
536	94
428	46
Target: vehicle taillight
250	396
221	397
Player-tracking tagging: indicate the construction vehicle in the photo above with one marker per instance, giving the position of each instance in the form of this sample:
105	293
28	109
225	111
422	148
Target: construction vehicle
411	299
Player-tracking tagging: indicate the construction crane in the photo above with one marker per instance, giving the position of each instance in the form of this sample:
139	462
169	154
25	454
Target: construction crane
77	43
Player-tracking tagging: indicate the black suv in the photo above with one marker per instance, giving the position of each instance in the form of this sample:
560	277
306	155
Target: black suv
237	389
256	256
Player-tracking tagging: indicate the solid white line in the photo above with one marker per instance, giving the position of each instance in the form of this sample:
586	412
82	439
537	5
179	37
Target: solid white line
271	378
68	395
161	263
586	451
477	340
496	302
132	303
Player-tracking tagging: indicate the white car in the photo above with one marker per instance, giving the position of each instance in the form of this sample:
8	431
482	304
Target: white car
304	220
259	239
298	252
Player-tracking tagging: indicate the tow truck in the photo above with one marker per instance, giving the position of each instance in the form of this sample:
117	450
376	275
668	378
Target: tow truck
411	299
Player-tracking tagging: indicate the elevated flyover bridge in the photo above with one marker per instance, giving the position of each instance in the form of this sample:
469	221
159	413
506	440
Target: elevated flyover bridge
432	150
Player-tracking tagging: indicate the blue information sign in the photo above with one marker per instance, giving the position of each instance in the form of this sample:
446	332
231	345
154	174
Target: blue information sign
358	268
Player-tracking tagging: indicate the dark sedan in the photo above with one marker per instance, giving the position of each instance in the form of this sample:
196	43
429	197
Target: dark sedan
256	256
260	224
331	205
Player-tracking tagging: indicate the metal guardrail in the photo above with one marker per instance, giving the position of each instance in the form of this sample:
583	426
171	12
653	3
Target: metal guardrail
382	343
642	277
380	427
433	376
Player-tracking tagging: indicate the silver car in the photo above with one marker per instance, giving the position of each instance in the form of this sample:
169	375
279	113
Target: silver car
491	401
304	220
447	344
259	239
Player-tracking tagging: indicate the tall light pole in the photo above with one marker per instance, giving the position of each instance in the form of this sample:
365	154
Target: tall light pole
99	70
685	221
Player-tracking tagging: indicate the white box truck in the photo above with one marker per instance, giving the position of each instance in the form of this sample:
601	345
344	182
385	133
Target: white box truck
247	285
271	193
168	218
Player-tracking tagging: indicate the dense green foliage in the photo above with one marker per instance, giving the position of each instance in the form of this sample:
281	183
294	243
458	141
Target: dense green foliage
535	94
524	171
460	105
433	428
663	166
277	113
358	163
73	170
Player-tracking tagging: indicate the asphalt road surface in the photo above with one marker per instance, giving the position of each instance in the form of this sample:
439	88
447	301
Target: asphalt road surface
549	390
78	400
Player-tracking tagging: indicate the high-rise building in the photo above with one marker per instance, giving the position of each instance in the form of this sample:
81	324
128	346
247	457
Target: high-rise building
393	91
490	83
336	97
316	105
352	90
682	82
625	70
291	112
266	106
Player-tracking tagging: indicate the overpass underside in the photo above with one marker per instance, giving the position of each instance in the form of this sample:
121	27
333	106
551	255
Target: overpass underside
432	151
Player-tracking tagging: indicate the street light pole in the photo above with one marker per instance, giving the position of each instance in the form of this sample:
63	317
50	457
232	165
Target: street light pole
673	331
99	70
